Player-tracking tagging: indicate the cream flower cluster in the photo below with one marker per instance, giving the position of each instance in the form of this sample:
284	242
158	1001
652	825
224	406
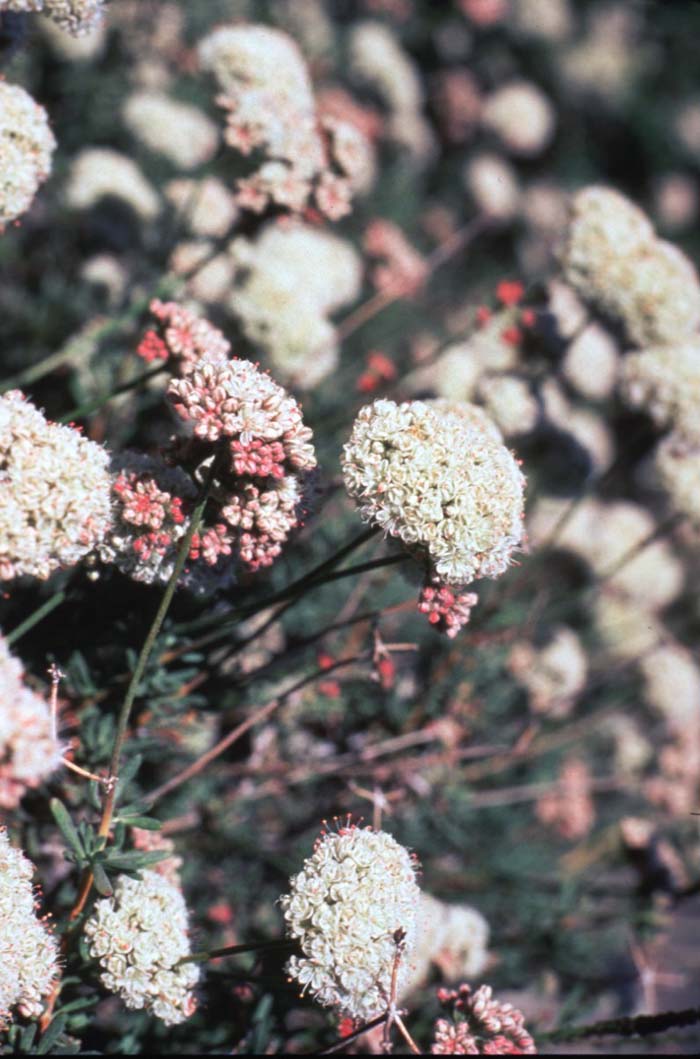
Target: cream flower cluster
75	16
510	403
677	468
347	907
614	261
665	380
179	131
602	534
28	950
284	306
378	60
29	749
672	686
26	147
521	116
270	105
139	935
453	937
553	675
437	478
98	172
55	484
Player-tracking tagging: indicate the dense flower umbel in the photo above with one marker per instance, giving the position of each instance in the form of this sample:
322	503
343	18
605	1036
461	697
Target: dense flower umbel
139	935
435	476
29	749
677	467
28	950
26	147
614	260
257	497
479	1025
55	492
356	891
665	381
446	609
75	16
150	502
268	97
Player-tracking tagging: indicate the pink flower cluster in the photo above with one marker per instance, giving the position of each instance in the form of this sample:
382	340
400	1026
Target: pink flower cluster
402	271
446	609
188	339
480	1025
257	496
308	160
569	808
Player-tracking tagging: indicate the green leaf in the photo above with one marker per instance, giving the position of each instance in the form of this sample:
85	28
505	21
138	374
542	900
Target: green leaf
134	860
102	883
67	827
148	823
54	1031
128	772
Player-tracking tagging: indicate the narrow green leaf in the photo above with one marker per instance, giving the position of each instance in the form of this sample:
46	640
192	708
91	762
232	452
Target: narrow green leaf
102	883
66	826
54	1031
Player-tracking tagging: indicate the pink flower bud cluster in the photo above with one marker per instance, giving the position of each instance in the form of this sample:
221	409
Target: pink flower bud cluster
29	749
186	338
447	609
402	271
480	1025
308	160
235	411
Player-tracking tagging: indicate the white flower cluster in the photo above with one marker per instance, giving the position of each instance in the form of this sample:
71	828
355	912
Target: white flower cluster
179	131
672	686
98	172
55	484
284	305
452	937
268	96
206	206
139	935
522	117
377	59
613	259
28	950
665	380
553	675
492	183
75	16
356	891
677	467
602	534
29	749
26	147
592	362
626	629
510	403
435	476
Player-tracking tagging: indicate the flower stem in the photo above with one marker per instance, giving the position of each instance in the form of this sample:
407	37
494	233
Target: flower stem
38	615
140	668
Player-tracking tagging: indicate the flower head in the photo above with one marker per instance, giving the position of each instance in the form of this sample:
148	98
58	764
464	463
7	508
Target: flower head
56	505
28	949
29	749
356	894
438	477
139	936
613	259
74	16
26	147
480	1025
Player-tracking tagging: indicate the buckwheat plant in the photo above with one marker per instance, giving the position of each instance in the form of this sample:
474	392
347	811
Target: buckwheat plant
29	747
354	896
438	477
26	149
28	950
479	1025
139	935
75	16
56	492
